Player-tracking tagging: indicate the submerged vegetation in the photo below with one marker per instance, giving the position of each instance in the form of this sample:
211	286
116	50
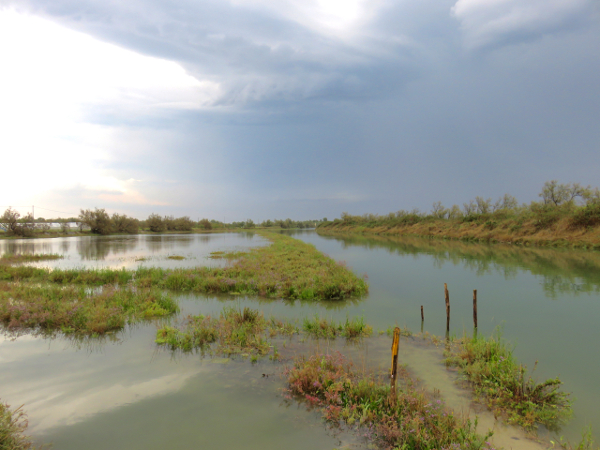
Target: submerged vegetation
13	423
322	328
237	331
288	268
408	419
76	309
568	214
504	385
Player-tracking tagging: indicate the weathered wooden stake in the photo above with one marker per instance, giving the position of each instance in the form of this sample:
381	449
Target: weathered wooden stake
422	316
395	344
475	307
447	296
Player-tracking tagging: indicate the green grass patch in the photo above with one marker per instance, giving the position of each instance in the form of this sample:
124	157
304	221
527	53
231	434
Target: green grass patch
227	255
236	331
490	367
408	419
13	424
176	257
320	327
288	268
77	309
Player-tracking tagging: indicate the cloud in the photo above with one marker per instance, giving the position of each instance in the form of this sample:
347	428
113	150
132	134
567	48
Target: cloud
251	51
489	22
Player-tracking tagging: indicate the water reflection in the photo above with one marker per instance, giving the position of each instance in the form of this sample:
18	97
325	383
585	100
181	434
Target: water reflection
126	251
561	271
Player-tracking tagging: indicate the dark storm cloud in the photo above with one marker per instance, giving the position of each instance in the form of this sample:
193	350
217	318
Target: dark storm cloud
431	100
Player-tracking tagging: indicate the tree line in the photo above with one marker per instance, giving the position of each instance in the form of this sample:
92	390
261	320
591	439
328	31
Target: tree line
99	221
557	200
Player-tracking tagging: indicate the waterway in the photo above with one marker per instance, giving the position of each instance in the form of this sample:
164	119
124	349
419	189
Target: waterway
122	392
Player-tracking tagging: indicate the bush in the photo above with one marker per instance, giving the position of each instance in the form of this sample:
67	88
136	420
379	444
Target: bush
125	224
16	226
156	223
205	224
183	224
588	216
98	220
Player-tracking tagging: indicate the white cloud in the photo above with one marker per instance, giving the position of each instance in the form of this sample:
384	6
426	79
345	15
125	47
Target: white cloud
50	78
485	22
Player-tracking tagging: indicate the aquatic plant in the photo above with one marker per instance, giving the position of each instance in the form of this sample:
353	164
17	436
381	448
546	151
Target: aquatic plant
73	309
320	327
490	367
408	419
13	423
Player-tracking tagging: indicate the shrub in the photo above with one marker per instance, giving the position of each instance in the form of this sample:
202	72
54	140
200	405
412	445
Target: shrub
588	216
156	223
98	220
16	226
125	224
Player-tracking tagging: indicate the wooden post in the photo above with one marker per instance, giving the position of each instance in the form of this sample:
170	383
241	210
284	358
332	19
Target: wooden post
395	344
422	316
475	308
447	296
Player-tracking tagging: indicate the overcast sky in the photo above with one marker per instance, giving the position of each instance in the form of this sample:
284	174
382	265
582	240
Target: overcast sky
235	109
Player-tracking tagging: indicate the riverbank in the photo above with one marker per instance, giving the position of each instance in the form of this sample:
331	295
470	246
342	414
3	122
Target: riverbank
510	231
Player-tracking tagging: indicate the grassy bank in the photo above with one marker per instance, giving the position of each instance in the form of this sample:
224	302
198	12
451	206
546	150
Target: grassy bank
408	419
13	424
559	227
503	384
288	268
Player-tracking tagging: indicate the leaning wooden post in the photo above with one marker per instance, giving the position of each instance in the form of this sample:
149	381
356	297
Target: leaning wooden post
447	296
395	344
422	315
475	308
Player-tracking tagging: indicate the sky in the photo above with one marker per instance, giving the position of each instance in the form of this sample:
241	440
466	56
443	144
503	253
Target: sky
237	109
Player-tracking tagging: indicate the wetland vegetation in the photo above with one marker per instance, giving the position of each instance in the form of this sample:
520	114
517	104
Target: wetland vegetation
567	215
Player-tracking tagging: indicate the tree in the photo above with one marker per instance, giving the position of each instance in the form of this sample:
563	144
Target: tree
507	202
438	211
125	224
555	194
183	224
156	223
205	224
98	220
16	226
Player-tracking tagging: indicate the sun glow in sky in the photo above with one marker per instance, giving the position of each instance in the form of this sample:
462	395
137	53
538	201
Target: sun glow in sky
52	78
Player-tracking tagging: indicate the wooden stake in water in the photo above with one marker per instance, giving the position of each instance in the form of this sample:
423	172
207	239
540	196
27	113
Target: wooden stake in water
447	296
395	344
422	315
475	307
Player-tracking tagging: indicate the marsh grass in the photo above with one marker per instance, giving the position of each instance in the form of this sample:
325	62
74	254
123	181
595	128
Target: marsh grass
227	255
320	327
77	309
12	258
408	419
489	365
288	268
13	423
237	331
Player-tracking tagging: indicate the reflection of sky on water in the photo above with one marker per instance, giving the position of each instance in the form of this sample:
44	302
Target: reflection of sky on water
126	251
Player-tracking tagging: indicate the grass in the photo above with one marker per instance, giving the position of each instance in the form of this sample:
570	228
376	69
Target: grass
408	419
76	309
539	225
288	268
490	367
12	258
322	328
13	424
236	331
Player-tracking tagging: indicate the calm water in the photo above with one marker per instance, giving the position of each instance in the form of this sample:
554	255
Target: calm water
123	393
